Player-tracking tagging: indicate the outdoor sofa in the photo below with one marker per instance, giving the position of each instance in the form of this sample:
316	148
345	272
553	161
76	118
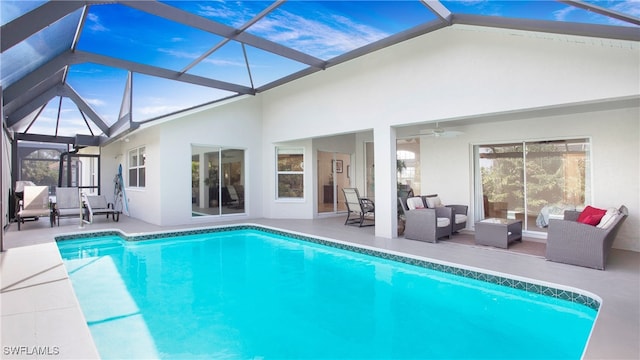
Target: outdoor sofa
573	242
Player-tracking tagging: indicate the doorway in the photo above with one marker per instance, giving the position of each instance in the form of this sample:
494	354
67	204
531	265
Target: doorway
333	176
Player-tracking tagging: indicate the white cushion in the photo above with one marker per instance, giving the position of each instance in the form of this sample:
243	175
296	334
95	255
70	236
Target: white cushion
415	203
433	202
609	218
461	218
443	222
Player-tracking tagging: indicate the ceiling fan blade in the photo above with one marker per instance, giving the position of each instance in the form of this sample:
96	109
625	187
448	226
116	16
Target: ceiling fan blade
439	132
450	134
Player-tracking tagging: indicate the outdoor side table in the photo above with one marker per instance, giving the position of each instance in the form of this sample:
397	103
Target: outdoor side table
498	232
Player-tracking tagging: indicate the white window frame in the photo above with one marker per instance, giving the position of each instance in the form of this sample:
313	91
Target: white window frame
140	153
289	150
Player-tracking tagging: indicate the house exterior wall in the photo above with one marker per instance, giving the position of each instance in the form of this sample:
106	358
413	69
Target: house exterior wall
142	203
452	73
447	163
233	125
475	74
466	72
166	198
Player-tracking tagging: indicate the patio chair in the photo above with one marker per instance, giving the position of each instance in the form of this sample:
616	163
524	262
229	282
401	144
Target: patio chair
237	202
426	224
68	203
98	205
362	208
34	204
458	212
572	242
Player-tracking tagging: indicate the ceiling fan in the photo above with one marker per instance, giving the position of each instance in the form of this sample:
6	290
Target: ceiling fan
440	132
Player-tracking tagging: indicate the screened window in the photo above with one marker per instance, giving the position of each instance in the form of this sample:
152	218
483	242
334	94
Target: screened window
290	173
137	170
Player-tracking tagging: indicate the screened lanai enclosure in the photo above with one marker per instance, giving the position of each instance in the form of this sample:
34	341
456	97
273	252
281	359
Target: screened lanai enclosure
79	75
74	71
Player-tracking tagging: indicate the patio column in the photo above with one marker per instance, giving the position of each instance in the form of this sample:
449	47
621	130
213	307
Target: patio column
384	138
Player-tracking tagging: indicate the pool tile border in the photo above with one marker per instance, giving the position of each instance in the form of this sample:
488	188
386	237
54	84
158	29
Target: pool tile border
494	279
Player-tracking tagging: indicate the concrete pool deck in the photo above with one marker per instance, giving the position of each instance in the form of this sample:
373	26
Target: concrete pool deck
41	317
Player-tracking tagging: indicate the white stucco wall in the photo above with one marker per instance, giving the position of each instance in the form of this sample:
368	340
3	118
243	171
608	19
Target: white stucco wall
461	72
143	203
234	125
447	163
467	72
456	72
166	198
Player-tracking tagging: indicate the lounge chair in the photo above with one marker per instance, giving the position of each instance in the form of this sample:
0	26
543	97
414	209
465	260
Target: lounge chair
577	243
98	205
362	208
425	224
68	203
34	204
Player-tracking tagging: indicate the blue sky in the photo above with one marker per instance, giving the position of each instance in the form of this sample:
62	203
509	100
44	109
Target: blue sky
321	29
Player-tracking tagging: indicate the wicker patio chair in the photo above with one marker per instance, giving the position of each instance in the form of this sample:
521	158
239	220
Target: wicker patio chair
424	224
458	212
572	242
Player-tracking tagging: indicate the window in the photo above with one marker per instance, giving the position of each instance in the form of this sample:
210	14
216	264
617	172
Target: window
532	180
405	155
408	165
290	173
137	171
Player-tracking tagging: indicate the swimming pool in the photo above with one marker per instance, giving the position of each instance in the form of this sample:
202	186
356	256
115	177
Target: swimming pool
253	292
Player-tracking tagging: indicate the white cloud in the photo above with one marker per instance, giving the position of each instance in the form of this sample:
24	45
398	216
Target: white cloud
179	54
223	62
219	12
156	110
333	35
629	7
155	106
238	16
93	23
562	14
192	56
95	102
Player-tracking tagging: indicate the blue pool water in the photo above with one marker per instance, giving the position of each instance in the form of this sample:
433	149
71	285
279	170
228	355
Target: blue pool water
246	294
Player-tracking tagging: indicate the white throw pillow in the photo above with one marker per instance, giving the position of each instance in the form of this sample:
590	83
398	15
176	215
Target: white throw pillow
434	202
608	219
415	203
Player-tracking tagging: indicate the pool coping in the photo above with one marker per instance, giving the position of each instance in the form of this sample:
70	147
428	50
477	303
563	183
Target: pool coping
554	290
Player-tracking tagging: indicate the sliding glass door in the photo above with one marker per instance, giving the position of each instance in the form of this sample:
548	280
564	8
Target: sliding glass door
217	180
333	175
532	181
